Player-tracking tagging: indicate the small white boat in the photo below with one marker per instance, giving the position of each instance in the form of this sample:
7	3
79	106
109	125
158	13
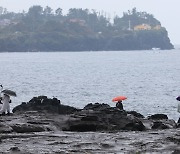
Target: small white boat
156	48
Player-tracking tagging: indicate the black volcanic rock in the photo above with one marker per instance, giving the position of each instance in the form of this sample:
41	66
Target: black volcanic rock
38	126
96	106
42	103
27	128
98	117
93	117
158	116
136	114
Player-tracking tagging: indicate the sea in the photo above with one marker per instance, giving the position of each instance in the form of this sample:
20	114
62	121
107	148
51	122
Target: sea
150	79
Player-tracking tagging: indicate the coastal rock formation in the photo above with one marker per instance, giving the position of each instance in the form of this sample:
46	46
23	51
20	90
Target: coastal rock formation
42	103
97	128
93	117
99	117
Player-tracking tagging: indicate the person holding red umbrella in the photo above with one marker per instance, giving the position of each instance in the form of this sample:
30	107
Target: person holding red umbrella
119	105
118	101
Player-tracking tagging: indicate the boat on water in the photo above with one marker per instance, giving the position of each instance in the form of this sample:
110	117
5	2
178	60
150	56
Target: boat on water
156	48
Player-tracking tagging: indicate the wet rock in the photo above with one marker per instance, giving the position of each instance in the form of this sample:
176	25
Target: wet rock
176	152
27	128
4	128
103	117
97	117
158	116
93	117
89	118
174	139
96	106
84	127
159	125
14	149
65	109
105	145
36	126
42	103
136	114
178	121
135	126
162	124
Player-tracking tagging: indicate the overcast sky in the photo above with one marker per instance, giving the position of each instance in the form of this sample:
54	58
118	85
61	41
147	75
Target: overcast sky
166	11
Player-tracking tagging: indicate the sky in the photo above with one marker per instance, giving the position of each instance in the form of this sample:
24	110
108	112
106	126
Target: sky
166	11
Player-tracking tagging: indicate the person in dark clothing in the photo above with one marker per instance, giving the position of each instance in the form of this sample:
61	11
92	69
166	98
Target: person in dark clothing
119	105
178	121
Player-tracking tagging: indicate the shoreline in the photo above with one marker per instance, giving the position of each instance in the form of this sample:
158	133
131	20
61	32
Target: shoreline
44	125
164	141
56	141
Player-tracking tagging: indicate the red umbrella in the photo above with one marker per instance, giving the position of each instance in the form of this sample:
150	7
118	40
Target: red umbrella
119	98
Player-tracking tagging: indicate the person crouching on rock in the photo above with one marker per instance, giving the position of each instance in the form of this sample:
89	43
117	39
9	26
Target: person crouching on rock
5	105
119	105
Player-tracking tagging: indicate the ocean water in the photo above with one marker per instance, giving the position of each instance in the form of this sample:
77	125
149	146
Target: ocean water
149	79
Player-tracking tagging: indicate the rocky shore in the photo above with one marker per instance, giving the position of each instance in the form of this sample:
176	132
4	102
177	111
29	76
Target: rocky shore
44	125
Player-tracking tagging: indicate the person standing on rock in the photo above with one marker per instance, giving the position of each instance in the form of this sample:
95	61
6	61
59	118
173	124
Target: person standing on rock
1	97
178	108
119	105
118	101
5	105
178	99
0	103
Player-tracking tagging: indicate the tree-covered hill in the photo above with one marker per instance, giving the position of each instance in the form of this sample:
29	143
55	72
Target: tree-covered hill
45	29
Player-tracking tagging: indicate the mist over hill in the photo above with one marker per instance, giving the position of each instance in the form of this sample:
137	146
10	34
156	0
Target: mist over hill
45	29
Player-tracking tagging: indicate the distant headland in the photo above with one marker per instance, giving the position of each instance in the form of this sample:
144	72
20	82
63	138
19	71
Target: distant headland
45	29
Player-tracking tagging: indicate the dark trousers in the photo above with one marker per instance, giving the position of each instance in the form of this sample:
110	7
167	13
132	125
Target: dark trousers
119	105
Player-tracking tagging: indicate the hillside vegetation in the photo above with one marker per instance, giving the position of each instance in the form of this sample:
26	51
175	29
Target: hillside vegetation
43	29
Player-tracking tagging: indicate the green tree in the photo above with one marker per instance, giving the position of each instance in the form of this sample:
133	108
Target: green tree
48	11
35	11
58	12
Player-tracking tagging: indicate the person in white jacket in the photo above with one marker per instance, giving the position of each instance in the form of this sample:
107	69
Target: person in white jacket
5	104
